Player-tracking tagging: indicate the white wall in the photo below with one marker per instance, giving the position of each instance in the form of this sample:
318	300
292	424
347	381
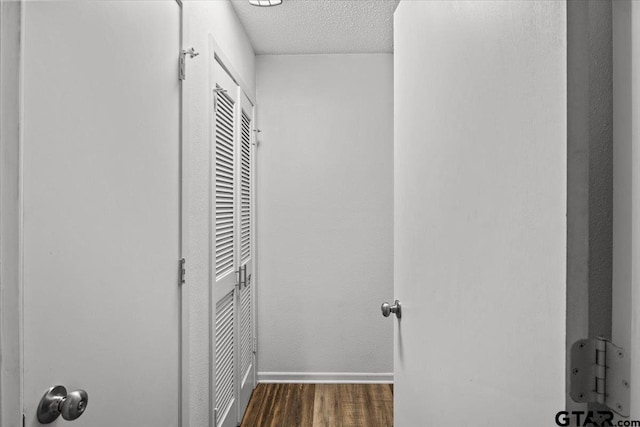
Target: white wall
217	17
202	18
325	216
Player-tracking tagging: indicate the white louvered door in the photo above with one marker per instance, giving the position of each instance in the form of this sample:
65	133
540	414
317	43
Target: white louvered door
224	182
232	185
246	364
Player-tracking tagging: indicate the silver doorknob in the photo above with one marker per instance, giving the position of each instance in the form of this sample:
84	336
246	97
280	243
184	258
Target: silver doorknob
395	308
74	404
56	402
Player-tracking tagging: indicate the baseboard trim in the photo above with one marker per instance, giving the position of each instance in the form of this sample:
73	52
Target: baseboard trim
325	377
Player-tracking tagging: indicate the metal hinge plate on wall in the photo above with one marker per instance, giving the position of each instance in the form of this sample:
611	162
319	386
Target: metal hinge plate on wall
600	374
182	73
182	271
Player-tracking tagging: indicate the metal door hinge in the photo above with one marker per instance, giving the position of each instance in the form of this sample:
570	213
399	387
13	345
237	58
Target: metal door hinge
600	374
255	345
256	142
215	417
182	61
182	271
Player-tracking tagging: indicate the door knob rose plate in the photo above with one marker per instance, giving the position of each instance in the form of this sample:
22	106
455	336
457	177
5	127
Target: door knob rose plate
48	409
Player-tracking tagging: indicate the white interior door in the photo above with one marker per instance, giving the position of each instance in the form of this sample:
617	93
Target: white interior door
101	208
480	212
246	378
225	173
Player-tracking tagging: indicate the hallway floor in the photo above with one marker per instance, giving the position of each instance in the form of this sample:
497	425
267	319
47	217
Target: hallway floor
320	405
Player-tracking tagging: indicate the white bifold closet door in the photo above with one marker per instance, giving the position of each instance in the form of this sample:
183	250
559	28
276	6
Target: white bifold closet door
233	336
245	224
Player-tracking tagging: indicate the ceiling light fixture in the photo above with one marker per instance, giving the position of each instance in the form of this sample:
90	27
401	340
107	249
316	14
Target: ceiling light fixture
265	3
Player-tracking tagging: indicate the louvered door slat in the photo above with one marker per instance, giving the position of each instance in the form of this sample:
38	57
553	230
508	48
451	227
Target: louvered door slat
223	169
245	188
244	201
225	184
246	328
224	132
227	112
224	353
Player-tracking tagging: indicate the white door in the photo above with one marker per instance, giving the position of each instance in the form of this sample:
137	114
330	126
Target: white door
480	212
246	378
101	205
226	280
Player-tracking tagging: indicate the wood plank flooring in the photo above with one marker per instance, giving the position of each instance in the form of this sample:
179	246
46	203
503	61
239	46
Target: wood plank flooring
320	405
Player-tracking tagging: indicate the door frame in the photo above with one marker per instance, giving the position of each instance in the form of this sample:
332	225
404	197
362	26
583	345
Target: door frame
216	54
184	356
589	177
11	222
11	16
624	328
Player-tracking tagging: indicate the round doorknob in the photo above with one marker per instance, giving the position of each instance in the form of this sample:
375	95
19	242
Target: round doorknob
395	308
74	404
56	402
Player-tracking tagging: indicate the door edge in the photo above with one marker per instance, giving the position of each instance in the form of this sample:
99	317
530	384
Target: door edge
11	319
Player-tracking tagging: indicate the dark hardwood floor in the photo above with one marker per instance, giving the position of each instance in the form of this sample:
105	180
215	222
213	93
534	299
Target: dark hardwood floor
320	405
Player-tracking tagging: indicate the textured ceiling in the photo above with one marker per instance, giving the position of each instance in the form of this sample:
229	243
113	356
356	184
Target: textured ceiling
319	26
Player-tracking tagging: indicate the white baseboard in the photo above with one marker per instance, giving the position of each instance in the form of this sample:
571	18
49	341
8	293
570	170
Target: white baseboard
326	377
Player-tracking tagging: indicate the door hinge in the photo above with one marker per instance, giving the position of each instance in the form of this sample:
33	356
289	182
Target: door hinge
182	271
182	62
600	374
256	142
215	417
255	345
24	420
